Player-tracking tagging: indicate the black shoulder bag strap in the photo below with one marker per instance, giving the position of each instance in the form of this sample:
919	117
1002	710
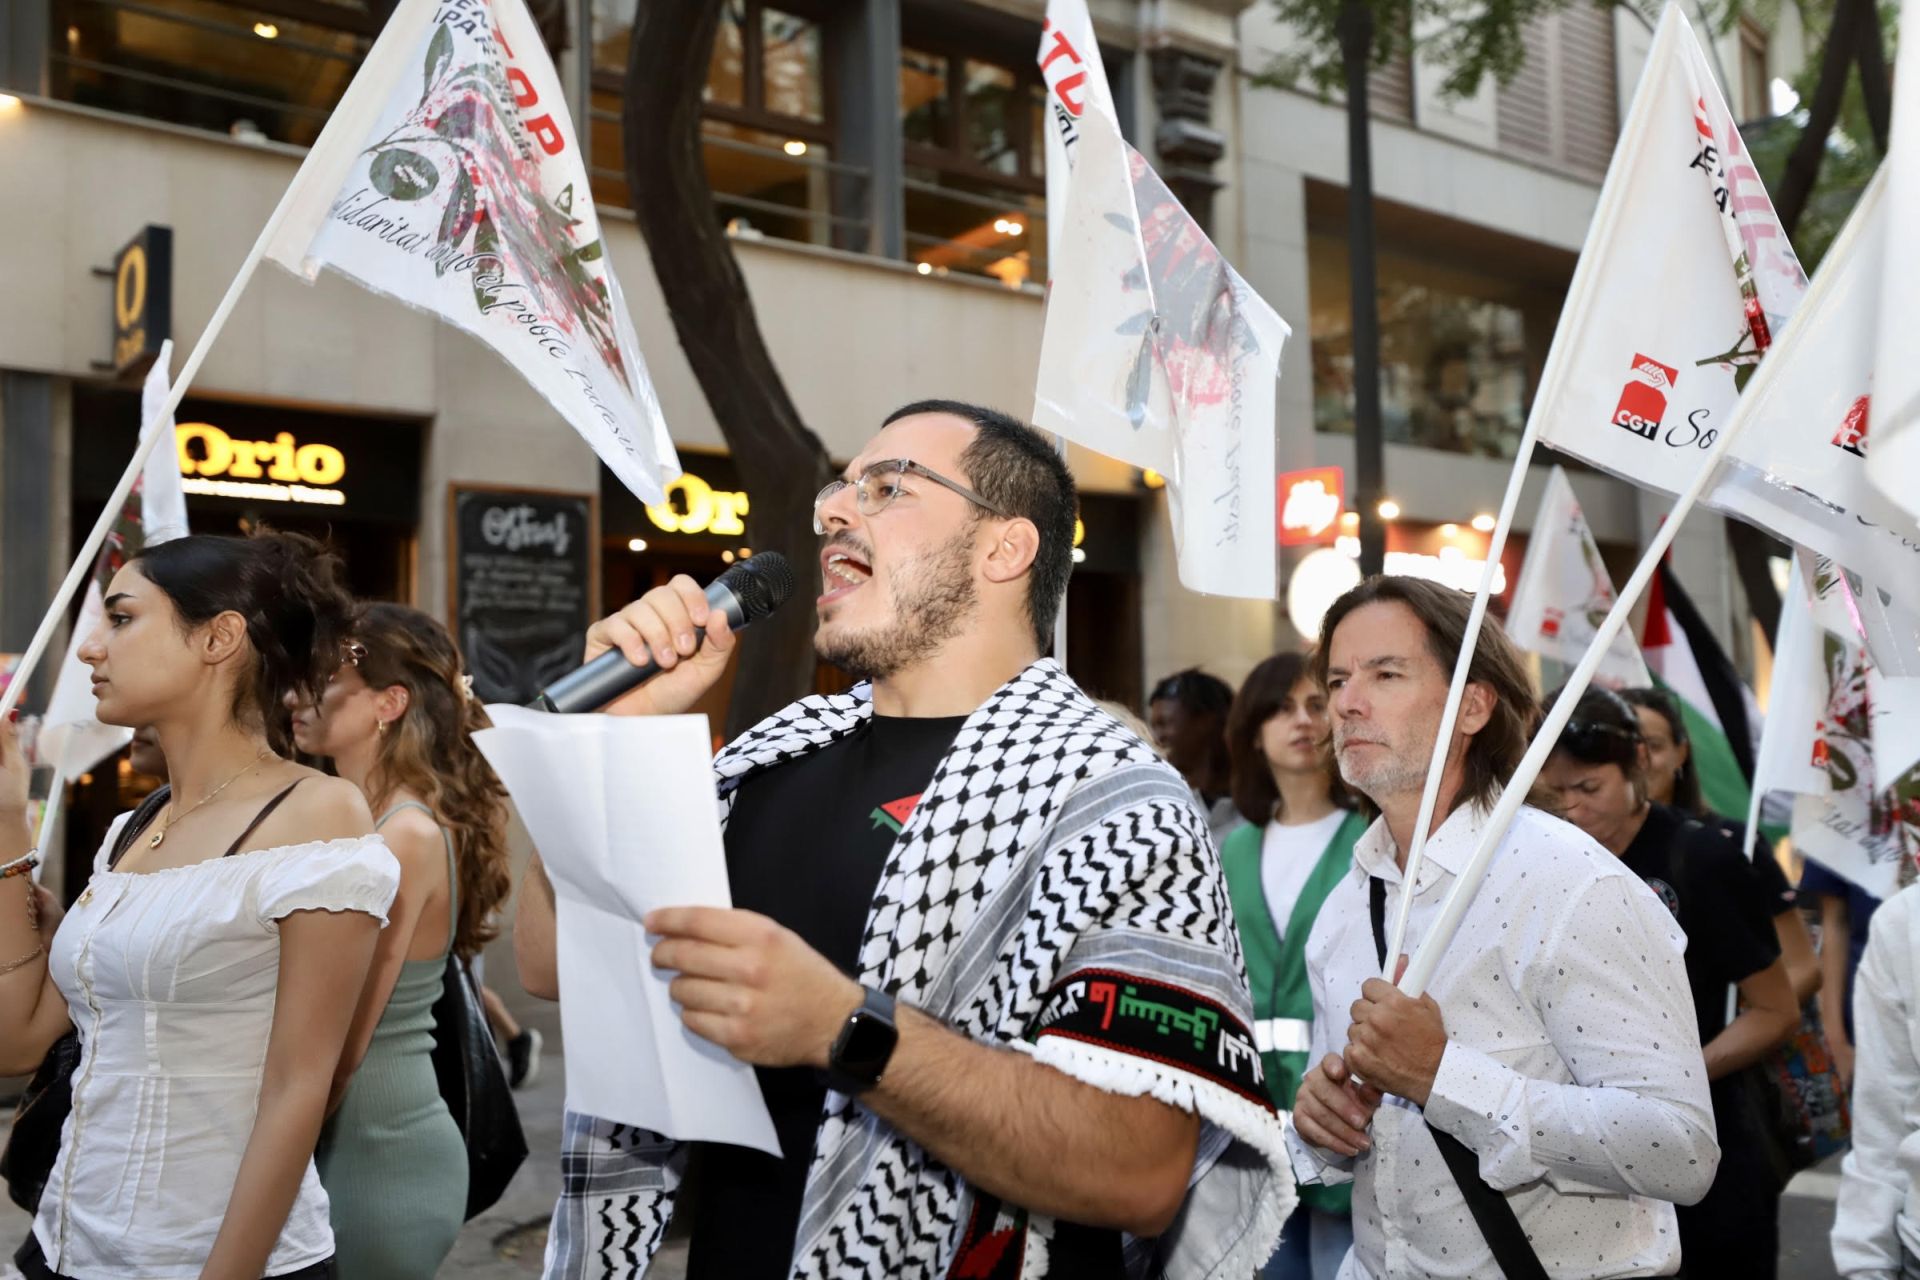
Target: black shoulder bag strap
1490	1210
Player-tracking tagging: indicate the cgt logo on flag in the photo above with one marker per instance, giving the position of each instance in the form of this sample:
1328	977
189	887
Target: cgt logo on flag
1852	435
1643	401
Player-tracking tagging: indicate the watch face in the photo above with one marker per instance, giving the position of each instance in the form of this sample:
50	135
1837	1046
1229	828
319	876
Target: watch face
865	1046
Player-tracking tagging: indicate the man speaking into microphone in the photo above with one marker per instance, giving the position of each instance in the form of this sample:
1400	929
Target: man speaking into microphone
981	952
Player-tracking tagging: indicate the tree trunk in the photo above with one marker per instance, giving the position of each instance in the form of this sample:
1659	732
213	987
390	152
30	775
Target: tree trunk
782	464
1874	86
1803	165
1369	466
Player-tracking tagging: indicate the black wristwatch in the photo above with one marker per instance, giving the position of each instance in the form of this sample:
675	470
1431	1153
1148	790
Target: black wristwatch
863	1047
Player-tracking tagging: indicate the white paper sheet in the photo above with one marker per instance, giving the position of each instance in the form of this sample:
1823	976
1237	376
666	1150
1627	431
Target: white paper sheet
622	810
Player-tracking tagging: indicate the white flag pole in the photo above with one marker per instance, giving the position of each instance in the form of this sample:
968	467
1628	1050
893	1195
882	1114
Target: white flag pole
83	562
1575	306
56	796
1461	895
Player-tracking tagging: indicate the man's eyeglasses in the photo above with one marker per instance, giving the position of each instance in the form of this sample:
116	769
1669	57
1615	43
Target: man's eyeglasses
879	485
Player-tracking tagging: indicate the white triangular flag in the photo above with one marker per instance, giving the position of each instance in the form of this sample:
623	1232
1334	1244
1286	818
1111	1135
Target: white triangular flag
163	500
449	177
1563	592
1801	456
1157	353
1685	279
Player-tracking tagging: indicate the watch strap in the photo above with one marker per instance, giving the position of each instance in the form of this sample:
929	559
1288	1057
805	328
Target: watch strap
876	1006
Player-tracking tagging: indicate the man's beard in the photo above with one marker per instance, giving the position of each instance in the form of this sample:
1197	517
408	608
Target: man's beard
932	596
1397	770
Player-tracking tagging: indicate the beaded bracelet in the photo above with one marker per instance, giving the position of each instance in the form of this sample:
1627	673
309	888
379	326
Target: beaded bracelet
21	865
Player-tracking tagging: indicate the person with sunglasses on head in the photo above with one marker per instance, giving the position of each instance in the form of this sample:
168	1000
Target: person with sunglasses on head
212	970
981	952
1296	846
1598	770
397	720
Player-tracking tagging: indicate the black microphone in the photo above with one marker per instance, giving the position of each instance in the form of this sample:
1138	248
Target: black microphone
746	593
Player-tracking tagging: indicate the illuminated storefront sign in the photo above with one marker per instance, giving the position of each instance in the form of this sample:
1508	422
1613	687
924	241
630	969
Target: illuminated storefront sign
1309	505
694	506
142	300
277	470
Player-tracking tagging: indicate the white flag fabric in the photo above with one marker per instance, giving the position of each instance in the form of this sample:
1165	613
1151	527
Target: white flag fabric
72	740
163	500
1685	279
1563	592
1894	459
1787	760
450	179
1803	446
1868	821
1157	353
1076	81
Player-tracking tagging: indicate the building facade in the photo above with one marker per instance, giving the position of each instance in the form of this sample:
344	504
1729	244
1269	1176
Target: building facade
877	163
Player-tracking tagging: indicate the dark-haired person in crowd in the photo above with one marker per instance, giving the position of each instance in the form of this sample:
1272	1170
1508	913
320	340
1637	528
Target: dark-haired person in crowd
1188	712
1550	1075
1673	779
212	973
1598	770
398	721
1296	847
982	908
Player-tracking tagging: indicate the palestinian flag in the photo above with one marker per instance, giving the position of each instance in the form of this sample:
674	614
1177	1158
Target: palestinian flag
1687	661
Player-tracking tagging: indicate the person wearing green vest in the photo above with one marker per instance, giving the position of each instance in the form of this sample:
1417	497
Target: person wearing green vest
1297	846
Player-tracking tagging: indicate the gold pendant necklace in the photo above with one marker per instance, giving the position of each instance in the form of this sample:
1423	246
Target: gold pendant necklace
167	825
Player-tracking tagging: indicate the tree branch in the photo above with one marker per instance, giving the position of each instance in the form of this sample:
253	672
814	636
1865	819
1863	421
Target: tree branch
1874	86
1803	164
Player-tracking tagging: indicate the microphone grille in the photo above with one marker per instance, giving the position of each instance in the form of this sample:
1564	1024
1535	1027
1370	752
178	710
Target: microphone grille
762	583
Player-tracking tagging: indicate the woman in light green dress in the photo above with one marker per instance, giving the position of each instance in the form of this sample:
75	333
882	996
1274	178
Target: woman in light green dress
397	720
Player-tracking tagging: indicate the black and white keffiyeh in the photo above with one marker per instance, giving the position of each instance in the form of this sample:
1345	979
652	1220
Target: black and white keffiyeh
1055	893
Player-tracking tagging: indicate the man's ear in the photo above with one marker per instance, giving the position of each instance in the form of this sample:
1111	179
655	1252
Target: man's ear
1013	550
1476	708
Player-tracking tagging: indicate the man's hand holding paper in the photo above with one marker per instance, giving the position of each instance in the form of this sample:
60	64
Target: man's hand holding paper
623	812
752	986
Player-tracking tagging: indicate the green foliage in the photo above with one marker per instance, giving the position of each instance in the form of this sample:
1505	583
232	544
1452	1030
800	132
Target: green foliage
1471	39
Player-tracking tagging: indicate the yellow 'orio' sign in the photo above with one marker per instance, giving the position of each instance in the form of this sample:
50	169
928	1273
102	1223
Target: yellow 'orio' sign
694	506
280	458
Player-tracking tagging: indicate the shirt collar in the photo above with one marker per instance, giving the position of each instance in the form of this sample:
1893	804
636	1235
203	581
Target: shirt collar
1448	849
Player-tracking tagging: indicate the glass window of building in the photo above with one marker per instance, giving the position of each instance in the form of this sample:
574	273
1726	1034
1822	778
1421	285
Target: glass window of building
972	127
766	128
1461	343
268	70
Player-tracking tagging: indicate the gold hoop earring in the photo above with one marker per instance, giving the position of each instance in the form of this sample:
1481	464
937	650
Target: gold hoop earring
380	728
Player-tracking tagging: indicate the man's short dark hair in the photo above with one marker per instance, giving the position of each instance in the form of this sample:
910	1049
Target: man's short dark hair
1018	470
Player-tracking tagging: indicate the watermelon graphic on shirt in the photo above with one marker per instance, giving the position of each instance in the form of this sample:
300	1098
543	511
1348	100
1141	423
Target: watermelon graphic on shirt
894	813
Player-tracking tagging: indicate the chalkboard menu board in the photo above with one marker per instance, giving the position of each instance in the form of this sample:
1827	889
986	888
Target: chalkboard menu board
524	568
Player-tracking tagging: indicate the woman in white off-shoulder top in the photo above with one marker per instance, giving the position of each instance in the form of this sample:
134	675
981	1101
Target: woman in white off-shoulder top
212	972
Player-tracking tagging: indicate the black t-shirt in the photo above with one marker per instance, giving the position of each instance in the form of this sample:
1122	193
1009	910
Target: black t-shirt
805	845
1724	903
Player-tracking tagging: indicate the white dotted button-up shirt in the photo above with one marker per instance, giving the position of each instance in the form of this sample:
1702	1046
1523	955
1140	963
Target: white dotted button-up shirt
1572	1069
